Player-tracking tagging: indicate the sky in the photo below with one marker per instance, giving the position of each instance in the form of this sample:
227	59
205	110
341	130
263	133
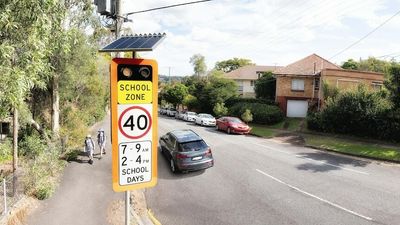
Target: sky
268	32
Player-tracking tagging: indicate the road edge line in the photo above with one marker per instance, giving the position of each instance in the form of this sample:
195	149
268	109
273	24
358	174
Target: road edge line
152	217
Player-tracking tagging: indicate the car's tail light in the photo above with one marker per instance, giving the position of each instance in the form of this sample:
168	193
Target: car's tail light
208	152
181	156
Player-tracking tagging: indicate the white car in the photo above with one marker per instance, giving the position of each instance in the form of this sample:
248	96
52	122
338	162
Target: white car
205	120
189	116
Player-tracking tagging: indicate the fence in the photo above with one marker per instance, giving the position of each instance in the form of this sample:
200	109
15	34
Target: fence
11	192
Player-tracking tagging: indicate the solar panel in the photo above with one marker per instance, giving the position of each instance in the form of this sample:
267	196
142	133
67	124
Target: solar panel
134	43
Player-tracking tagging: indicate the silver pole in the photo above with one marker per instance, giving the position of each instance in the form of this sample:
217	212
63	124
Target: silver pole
127	208
5	196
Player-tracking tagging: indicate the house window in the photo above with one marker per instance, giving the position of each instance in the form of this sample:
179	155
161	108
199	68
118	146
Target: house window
297	85
259	75
376	85
252	83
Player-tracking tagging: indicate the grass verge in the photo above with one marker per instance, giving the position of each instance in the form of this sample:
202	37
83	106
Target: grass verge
263	131
354	148
342	145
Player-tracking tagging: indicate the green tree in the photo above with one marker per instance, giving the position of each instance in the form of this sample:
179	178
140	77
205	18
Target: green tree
199	64
374	65
175	93
393	85
247	116
232	64
220	109
350	64
265	86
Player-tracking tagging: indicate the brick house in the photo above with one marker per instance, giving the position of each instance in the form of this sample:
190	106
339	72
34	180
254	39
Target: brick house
246	76
300	84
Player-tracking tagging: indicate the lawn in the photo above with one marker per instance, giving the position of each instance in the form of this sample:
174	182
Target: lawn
354	148
290	124
263	131
343	145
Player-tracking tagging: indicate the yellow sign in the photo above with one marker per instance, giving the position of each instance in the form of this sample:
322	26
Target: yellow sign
133	92
134	99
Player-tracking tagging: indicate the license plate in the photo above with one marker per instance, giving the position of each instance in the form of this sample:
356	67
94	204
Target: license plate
197	158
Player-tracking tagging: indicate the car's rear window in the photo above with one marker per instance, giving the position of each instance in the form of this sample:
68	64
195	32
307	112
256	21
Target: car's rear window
234	120
192	146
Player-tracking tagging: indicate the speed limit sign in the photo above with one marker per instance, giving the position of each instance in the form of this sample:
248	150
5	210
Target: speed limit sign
134	84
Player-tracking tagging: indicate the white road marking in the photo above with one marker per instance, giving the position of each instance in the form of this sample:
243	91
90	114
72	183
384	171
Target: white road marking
316	197
273	149
356	171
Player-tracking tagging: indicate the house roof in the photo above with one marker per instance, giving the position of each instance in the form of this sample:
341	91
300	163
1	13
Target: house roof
249	72
309	65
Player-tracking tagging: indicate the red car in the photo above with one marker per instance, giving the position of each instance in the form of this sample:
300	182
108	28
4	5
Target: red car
232	125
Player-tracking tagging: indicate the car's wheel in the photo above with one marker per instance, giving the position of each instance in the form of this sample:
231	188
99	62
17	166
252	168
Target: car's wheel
172	165
229	130
202	124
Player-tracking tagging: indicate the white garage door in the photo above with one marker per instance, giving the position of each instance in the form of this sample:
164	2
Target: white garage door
297	108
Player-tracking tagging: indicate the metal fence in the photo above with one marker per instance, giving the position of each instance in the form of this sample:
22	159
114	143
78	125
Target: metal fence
11	192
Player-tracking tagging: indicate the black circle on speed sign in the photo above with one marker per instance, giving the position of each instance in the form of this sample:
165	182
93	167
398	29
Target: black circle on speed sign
134	122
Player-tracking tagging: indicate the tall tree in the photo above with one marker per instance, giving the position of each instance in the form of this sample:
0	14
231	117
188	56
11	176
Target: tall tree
175	93
232	64
23	59
265	86
350	64
199	64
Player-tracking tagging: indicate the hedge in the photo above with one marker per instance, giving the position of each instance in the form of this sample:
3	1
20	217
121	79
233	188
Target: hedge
232	101
358	113
262	113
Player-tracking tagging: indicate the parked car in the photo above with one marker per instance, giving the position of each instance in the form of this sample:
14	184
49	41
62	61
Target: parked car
171	112
179	115
163	111
189	116
186	151
232	125
205	119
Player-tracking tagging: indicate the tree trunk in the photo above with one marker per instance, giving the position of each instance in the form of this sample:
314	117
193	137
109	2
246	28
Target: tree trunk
40	130
56	107
15	139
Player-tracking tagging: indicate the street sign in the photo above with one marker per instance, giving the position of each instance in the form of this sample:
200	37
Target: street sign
134	85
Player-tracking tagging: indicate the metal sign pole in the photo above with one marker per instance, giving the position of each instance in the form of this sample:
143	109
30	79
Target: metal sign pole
127	208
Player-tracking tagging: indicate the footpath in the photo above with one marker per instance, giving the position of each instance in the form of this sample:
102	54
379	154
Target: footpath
85	195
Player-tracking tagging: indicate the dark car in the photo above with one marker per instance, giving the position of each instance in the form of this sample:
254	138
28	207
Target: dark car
186	151
232	125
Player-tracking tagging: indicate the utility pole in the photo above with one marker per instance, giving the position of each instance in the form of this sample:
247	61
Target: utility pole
169	74
118	25
118	21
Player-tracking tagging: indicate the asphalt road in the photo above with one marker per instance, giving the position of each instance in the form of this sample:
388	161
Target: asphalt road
260	181
85	193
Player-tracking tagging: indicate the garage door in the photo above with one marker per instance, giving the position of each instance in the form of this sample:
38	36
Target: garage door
297	108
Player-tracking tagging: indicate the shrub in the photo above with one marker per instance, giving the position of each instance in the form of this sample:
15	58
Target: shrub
220	109
232	101
5	150
31	146
262	113
42	174
358	112
247	116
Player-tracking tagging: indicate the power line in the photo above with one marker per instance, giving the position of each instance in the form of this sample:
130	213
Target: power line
365	36
168	6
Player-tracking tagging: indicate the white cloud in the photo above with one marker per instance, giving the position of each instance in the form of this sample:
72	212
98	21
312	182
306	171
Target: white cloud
266	31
